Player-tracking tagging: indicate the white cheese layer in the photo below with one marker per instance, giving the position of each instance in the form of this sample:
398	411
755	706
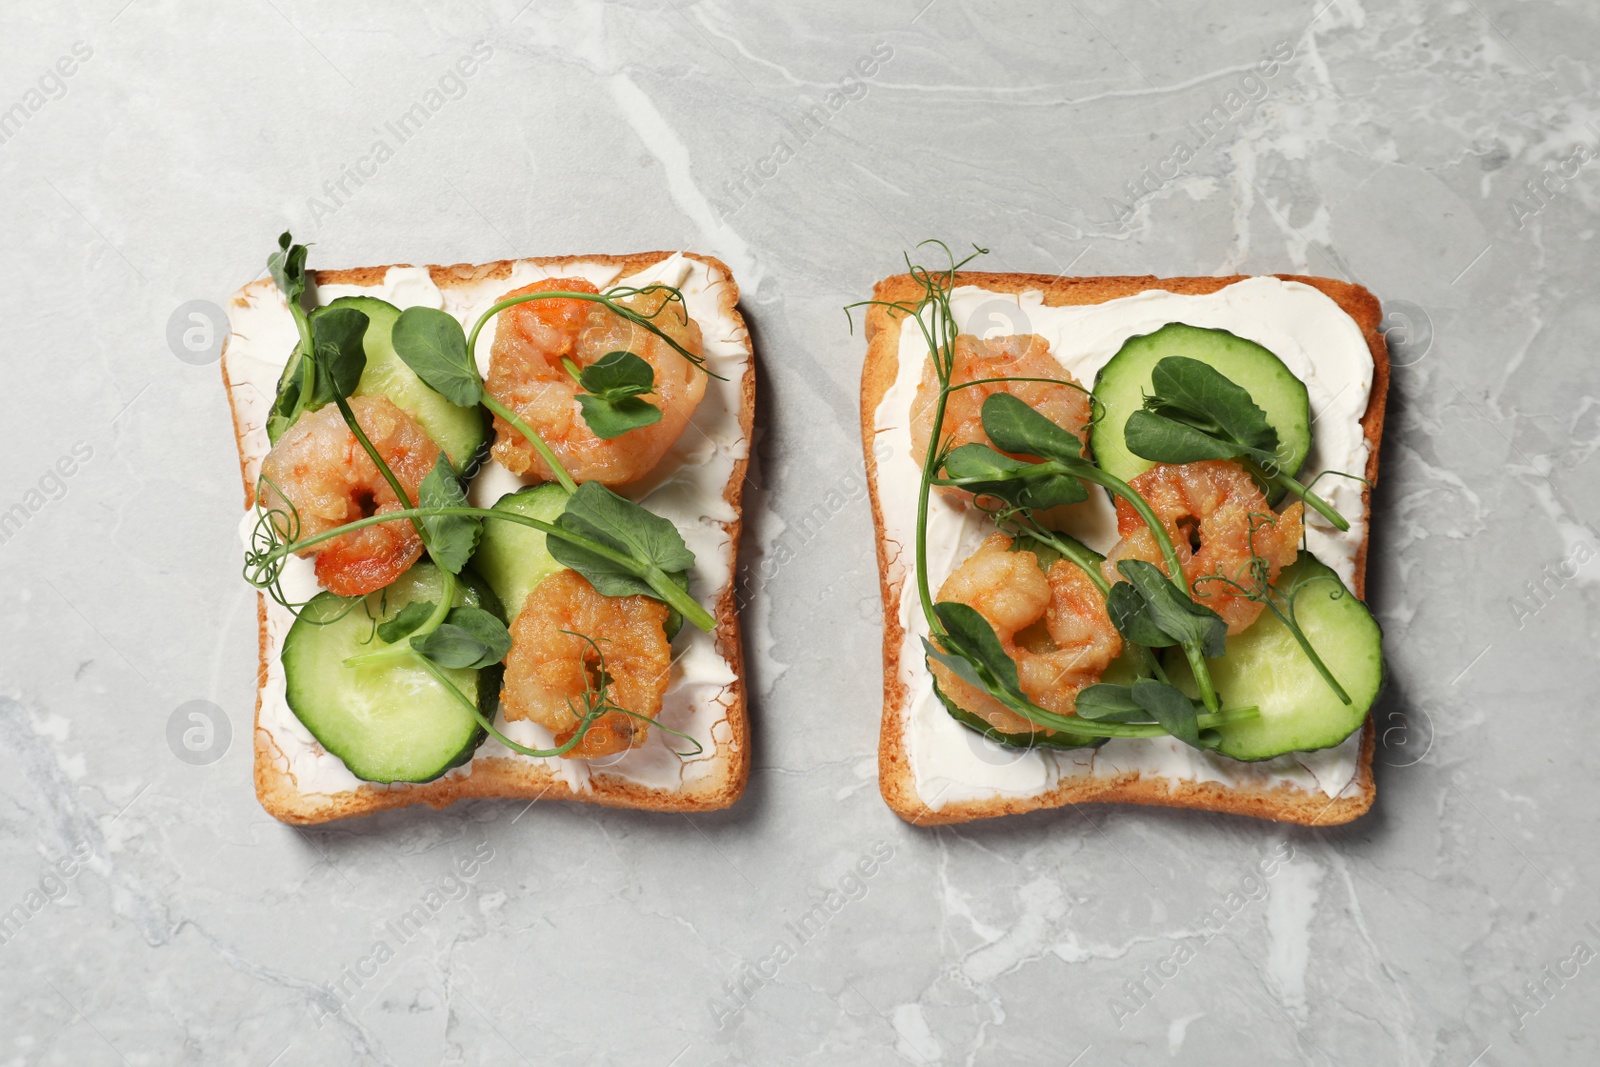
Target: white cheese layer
686	487
1318	341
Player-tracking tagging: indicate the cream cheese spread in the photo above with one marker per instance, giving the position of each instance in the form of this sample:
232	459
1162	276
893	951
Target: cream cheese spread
1318	341
686	487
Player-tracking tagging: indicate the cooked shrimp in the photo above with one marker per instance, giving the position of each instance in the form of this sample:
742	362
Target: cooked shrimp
1053	625
1218	520
1017	356
548	671
527	375
320	469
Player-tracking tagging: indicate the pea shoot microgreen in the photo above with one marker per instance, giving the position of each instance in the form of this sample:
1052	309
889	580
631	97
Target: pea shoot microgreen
1196	412
1255	584
614	387
620	546
1016	427
960	638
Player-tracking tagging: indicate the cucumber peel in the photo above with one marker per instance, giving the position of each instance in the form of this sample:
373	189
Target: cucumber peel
1266	667
461	432
1123	383
389	721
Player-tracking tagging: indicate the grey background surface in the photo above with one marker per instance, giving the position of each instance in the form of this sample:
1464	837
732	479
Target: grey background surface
1395	146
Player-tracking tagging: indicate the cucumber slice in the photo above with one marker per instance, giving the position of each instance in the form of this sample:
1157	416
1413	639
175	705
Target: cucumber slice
1266	667
511	557
1121	385
463	433
388	722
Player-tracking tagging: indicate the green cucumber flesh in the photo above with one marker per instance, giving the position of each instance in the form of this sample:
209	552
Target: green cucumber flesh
512	557
389	721
1122	384
463	433
1265	666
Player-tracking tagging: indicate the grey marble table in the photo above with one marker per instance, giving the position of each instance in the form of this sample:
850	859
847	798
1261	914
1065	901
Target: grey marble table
1442	153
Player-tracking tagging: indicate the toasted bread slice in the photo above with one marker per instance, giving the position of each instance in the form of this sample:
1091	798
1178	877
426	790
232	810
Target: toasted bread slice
1283	802
713	780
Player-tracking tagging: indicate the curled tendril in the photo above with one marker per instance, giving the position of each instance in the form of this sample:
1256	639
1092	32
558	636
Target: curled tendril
271	539
1337	474
1261	591
597	699
625	292
276	527
1256	567
611	299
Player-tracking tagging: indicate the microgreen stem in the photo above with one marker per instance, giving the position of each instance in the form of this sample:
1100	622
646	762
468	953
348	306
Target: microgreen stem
461	698
534	439
377	460
923	494
1288	619
668	590
610	302
1090	473
1208	720
403	646
1005	381
1072	551
1312	500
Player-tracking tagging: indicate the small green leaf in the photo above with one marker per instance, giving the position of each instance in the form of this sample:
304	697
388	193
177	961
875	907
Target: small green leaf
433	345
406	622
983	471
608	419
1105	702
294	393
598	514
336	340
288	268
970	637
959	665
1168	706
451	539
1161	440
1130	614
468	637
1187	390
1015	427
617	375
1168	609
298	382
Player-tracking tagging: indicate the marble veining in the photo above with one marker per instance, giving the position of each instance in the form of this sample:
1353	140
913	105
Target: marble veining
1443	153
